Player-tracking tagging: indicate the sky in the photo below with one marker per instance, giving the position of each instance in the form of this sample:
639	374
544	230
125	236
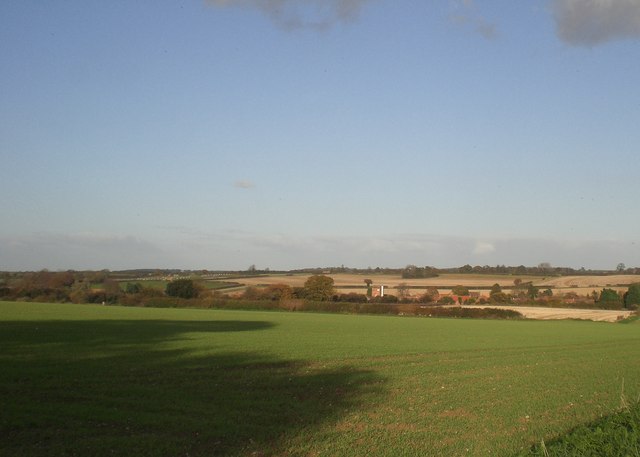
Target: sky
219	134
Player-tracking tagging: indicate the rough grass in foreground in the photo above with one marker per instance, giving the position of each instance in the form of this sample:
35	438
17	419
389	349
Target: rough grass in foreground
97	380
612	436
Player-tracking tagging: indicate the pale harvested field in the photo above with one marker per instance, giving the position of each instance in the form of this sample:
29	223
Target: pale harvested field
579	284
346	279
591	281
582	285
531	312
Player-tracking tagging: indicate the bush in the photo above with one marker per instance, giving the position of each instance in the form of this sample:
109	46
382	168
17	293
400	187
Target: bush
318	288
446	301
499	298
632	297
462	312
609	299
330	307
460	290
278	292
389	299
182	288
133	288
249	305
379	308
430	296
352	298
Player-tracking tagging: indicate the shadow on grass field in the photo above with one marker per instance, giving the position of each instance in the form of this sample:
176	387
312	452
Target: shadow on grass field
120	387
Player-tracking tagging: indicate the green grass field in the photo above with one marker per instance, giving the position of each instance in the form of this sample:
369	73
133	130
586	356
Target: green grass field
95	380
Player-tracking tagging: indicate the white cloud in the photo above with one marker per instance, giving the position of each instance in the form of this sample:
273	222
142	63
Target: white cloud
592	22
483	247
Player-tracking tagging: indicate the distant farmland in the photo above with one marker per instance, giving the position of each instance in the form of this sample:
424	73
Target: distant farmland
100	381
480	282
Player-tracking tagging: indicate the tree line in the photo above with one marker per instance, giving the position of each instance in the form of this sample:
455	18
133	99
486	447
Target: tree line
98	287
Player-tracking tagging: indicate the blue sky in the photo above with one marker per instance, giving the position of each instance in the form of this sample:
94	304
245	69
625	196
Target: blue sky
294	133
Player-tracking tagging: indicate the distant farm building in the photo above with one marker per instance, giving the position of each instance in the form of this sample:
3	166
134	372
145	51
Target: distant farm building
377	291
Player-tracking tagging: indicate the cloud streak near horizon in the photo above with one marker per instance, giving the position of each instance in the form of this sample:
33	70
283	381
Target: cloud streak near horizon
593	22
182	247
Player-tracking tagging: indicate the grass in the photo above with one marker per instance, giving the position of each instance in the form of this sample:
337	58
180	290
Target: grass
611	436
94	380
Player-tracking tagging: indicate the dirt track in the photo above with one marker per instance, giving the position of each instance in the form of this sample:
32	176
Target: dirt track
531	312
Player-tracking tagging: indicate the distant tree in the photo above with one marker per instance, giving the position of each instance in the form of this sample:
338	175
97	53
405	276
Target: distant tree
621	267
412	271
182	288
547	293
499	298
252	293
319	288
299	292
80	291
532	291
368	282
278	292
112	291
133	288
431	295
517	282
60	280
609	298
495	289
352	297
446	300
403	290
460	290
544	267
632	296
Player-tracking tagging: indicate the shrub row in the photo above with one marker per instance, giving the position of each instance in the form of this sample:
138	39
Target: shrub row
325	307
459	311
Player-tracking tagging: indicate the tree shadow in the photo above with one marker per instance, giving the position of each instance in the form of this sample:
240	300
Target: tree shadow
105	388
114	334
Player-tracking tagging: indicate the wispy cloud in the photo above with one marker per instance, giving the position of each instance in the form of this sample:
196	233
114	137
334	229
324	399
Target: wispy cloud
592	22
244	184
285	251
487	29
79	251
466	16
300	14
193	248
442	251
